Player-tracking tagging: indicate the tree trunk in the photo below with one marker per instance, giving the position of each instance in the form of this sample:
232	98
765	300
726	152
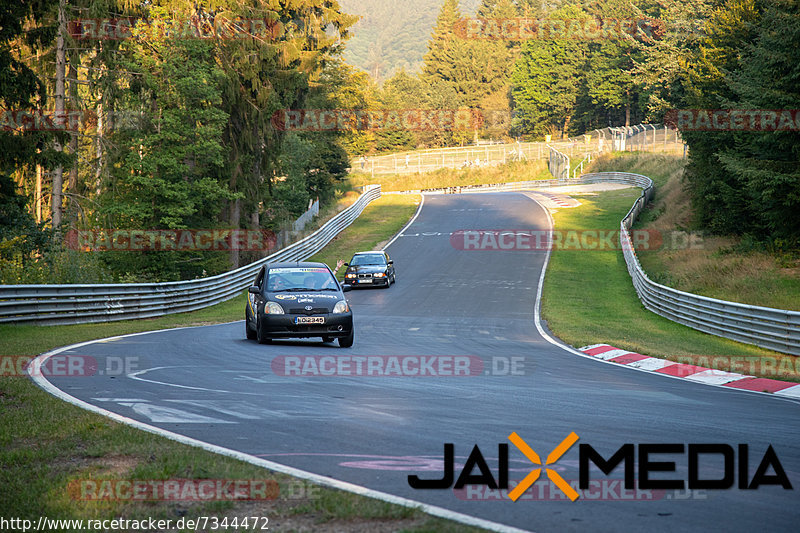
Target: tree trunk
37	201
235	212
627	108
101	125
236	209
72	180
58	173
98	147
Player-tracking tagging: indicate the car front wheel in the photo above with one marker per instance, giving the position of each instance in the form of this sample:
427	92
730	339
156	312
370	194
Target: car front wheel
247	331
346	342
260	336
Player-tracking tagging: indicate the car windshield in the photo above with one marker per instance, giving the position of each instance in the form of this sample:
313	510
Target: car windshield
368	259
301	279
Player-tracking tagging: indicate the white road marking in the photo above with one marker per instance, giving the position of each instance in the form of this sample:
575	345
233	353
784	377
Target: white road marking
251	378
35	372
716	376
170	415
119	400
136	376
791	392
611	354
426	234
419	210
651	363
237	409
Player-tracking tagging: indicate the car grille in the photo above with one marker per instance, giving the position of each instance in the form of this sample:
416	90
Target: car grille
364	276
312	311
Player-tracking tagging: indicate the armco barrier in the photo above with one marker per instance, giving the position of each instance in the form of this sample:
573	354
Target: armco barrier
776	329
77	304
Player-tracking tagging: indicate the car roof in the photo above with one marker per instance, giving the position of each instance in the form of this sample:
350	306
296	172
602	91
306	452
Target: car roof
372	252
289	264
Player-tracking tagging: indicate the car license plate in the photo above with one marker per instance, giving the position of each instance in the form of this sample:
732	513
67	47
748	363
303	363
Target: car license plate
309	320
365	280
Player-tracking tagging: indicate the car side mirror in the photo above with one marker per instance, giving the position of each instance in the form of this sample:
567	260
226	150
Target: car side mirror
347	264
254	290
391	262
347	287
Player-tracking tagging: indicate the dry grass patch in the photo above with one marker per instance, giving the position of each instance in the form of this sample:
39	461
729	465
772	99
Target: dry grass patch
715	266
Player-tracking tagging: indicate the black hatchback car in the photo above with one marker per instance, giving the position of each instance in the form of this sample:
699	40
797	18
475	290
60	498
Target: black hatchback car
298	300
370	269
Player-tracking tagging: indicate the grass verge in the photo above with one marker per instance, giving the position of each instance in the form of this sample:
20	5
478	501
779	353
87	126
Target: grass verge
48	447
610	312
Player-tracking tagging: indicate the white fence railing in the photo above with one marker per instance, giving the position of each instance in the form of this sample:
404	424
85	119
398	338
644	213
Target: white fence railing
305	218
76	304
644	137
776	329
558	164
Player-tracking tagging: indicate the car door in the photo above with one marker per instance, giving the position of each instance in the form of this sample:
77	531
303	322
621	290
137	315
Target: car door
390	269
256	299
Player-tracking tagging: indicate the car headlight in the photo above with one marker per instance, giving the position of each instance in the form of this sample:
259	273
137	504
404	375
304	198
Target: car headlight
341	307
350	275
273	308
380	274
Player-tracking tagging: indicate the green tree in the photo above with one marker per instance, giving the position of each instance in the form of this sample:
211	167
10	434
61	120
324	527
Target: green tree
610	81
447	52
546	85
171	173
767	163
717	194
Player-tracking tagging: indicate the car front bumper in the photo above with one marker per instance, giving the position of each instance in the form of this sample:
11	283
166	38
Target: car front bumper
376	282
284	326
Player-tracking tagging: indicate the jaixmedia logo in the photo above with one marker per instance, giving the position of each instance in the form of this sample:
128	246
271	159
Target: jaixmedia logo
728	462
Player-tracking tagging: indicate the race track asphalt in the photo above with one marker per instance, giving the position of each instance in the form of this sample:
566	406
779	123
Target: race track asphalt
211	384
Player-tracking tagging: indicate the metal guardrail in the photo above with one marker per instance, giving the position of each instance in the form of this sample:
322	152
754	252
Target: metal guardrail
78	304
776	329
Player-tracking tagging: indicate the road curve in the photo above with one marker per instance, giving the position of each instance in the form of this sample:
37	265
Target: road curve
211	384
